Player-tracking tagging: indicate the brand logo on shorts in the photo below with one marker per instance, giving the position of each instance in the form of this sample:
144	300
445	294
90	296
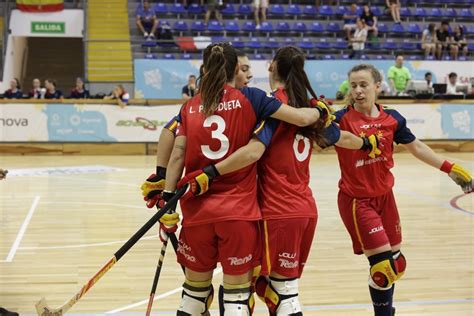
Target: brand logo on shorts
287	264
234	261
376	230
183	249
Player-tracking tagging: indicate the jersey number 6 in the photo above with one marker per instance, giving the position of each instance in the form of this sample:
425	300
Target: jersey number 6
216	134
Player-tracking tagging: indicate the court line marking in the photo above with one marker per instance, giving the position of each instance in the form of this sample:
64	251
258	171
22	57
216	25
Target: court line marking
145	301
22	230
454	204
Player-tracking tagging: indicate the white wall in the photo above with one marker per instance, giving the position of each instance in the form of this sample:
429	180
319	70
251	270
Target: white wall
15	54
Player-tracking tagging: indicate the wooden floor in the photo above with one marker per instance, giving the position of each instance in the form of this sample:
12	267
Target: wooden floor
59	225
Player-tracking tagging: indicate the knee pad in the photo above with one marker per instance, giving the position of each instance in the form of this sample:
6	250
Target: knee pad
383	272
196	298
400	263
280	295
236	300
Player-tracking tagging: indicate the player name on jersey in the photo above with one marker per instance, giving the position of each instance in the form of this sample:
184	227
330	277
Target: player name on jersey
223	106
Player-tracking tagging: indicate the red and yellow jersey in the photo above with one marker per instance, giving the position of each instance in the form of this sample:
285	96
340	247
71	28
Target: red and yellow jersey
283	170
212	139
362	176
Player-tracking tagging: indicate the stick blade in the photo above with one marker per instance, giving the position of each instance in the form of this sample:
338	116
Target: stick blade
43	309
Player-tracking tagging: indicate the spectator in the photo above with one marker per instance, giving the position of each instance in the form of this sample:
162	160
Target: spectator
370	20
14	92
384	89
37	92
428	40
398	75
443	40
79	92
350	20
120	94
51	92
452	84
429	79
190	89
342	90
459	42
260	6
359	38
394	7
146	20
212	7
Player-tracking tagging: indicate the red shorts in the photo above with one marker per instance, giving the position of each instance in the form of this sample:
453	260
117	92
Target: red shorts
286	244
232	243
371	222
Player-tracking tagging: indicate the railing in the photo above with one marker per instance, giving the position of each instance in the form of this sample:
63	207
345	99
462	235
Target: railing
85	39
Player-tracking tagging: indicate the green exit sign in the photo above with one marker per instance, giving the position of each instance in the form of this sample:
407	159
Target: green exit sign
48	27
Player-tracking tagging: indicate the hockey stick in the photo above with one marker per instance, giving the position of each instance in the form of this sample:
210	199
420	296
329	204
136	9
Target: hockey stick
42	307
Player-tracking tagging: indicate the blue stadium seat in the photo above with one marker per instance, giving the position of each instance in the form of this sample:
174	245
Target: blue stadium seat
470	46
151	56
376	10
245	9
333	27
177	8
215	26
380	57
364	57
310	10
254	43
451	12
299	27
218	39
168	56
408	45
323	43
414	57
340	43
306	43
435	12
276	9
160	8
266	27
374	45
180	26
195	8
283	27
289	41
345	56
446	57
271	43
229	9
462	58
259	57
248	26
389	44
471	30
414	28
397	28
316	27
186	56
405	12
420	13
383	28
465	13
325	10
327	57
198	26
310	57
231	26
294	10
237	43
149	44
341	10
431	57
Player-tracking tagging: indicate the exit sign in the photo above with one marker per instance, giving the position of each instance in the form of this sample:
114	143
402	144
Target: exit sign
48	27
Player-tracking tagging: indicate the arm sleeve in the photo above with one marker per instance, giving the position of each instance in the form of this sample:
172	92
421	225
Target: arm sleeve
185	90
263	105
339	114
402	135
265	129
331	135
173	124
181	124
408	74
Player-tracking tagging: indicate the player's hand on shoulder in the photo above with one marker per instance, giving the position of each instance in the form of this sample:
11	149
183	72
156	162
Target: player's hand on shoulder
460	176
325	109
373	145
200	180
153	186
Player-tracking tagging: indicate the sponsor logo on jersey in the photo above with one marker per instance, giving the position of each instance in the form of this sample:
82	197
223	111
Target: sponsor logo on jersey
235	261
362	162
376	230
223	106
368	126
184	249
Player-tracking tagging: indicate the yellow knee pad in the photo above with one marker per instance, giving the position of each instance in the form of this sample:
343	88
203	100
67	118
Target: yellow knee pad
383	271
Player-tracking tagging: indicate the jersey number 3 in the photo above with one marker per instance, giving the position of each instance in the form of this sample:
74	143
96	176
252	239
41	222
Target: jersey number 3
301	155
216	134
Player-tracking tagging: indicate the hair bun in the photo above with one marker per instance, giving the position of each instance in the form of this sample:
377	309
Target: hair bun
217	49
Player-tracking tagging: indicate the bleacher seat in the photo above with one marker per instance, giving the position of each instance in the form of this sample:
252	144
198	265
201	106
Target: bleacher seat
376	11
160	9
323	43
408	45
397	28
254	43
248	26
177	8
198	26
325	10
271	43
259	57
414	57
374	45
168	56
420	13
310	10
231	26
451	12
405	12
266	27
149	44
414	28
180	26
389	44
289	41
345	56
306	43
215	26
333	27
340	43
316	27
237	43
364	57
245	9
383	28
327	57
283	27
435	13
294	10
186	56
299	27
151	56
195	8
276	10
229	9
465	13
341	10
380	57
218	39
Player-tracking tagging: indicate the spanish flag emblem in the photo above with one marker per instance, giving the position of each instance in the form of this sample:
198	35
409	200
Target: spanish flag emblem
40	5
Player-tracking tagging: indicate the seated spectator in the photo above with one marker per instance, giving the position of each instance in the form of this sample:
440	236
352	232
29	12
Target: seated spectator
260	6
384	89
146	20
212	7
370	20
428	40
452	84
459	42
350	20
120	94
358	39
190	89
398	75
51	92
342	90
79	92
14	92
394	7
443	40
37	92
429	79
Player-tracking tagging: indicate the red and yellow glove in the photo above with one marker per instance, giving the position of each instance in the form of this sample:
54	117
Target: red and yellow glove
461	176
199	180
153	186
325	110
169	221
372	144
